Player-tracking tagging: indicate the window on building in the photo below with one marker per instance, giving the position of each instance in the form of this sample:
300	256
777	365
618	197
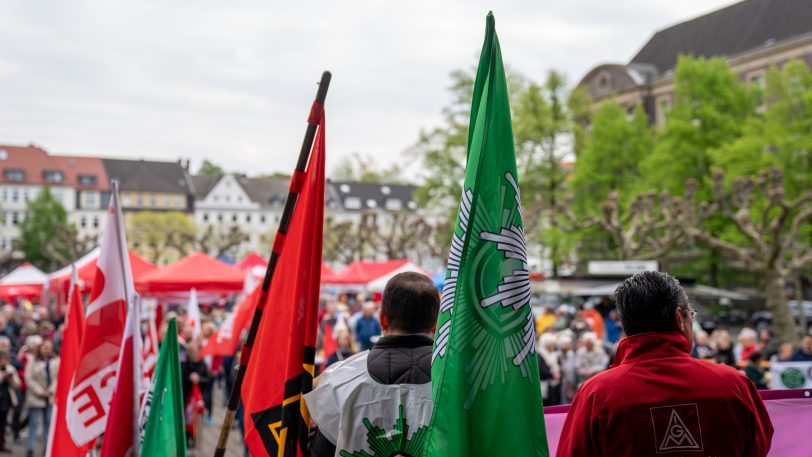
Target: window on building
166	201
25	195
262	219
89	199
393	204
372	203
248	218
352	203
15	195
125	199
5	195
179	202
57	195
153	201
14	174
88	180
52	176
205	217
234	218
139	201
82	222
3	244
95	222
663	107
228	198
15	218
219	218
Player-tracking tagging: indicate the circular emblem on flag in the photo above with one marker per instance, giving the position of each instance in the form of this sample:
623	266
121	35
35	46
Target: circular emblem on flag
793	378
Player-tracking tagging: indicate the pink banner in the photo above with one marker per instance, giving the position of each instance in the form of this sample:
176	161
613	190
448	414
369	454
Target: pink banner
790	412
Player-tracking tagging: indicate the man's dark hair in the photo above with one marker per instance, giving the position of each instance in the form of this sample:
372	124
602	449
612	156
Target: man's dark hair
411	303
647	300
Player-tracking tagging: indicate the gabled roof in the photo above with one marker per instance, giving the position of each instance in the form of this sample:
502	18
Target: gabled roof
733	30
148	175
374	195
35	161
265	191
203	184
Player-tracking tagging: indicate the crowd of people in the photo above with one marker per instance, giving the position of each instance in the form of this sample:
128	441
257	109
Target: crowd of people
573	345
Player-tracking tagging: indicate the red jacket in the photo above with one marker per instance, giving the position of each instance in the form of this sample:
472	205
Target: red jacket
658	400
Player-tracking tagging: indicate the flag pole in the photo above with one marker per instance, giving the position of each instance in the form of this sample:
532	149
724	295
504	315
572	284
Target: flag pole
287	213
122	250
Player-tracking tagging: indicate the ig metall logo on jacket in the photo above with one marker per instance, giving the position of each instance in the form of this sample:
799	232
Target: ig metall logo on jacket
676	428
488	285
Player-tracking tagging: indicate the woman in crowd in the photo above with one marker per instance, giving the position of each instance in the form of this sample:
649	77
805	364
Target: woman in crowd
345	347
40	380
724	349
549	370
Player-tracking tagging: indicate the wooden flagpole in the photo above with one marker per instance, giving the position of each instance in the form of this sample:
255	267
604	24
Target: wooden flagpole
287	213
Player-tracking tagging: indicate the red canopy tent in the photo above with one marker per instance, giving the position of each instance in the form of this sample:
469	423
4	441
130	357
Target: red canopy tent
197	271
250	261
371	274
59	281
26	281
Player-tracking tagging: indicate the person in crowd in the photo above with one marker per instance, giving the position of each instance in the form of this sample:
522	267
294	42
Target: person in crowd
594	319
724	349
395	372
549	370
767	343
591	358
784	353
605	306
702	348
562	319
755	372
748	343
612	327
367	326
545	320
28	351
344	343
215	366
669	401
9	381
804	353
579	325
193	371
40	381
566	361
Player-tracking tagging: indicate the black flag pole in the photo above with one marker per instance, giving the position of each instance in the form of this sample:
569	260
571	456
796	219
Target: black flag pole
287	213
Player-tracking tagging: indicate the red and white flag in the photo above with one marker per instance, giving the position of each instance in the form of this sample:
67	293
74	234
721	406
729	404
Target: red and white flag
122	433
149	350
227	337
106	315
58	435
193	315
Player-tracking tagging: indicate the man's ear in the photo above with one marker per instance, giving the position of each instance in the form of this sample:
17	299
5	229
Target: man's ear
384	323
679	320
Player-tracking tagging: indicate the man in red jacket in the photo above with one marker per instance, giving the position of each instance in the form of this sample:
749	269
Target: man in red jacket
658	400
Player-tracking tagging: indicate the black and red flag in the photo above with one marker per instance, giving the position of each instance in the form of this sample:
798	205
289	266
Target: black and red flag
280	368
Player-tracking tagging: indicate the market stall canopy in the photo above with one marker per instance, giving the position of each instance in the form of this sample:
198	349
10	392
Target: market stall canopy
250	261
26	281
373	275
256	265
197	271
59	281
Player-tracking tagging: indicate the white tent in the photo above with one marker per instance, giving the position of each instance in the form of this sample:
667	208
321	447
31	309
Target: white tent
25	274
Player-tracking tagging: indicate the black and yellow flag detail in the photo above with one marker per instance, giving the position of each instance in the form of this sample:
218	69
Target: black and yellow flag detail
286	425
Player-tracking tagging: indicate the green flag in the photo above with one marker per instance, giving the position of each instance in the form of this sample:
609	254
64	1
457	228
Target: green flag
164	432
485	378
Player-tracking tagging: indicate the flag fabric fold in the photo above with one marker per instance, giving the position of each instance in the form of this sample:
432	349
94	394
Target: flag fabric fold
276	417
105	320
164	432
193	315
485	378
58	435
225	340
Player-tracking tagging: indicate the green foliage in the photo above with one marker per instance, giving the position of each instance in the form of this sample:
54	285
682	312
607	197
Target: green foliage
363	168
611	157
161	237
44	218
709	109
210	168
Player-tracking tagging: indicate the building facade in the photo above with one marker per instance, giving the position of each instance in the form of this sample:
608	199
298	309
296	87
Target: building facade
753	35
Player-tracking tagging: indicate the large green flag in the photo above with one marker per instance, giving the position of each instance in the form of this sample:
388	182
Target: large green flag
485	379
164	433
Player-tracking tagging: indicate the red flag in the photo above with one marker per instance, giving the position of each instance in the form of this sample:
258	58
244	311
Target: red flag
121	433
106	315
58	435
276	417
225	340
193	408
149	350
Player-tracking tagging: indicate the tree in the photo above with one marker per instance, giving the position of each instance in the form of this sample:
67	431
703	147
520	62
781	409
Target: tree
219	242
210	168
44	218
363	168
161	237
771	246
710	108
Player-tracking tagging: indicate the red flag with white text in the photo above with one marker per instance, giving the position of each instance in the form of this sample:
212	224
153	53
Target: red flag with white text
58	434
105	320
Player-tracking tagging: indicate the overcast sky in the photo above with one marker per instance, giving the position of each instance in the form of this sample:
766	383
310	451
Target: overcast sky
232	81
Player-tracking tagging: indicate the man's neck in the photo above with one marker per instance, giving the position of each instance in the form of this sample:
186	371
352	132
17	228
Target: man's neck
397	332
